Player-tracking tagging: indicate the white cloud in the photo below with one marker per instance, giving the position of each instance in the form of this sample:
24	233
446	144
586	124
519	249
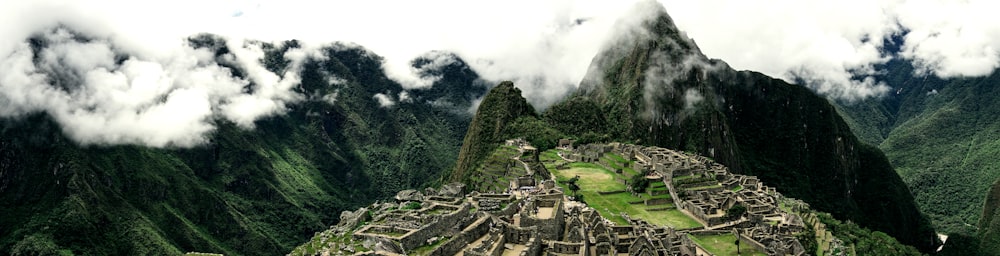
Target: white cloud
545	47
169	101
821	42
691	98
384	100
826	43
331	98
404	97
952	38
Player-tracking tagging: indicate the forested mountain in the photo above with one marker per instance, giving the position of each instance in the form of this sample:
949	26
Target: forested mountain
655	87
942	135
245	192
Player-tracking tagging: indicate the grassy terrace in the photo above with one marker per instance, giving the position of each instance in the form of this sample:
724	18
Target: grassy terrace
705	187
723	245
594	179
619	162
493	174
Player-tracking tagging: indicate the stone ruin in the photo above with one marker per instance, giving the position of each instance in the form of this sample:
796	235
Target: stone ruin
541	221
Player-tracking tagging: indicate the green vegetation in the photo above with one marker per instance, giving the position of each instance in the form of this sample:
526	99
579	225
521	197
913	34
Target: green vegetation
593	179
962	245
427	249
639	183
942	135
411	206
724	245
864	241
571	184
989	223
503	114
245	192
495	172
736	211
325	240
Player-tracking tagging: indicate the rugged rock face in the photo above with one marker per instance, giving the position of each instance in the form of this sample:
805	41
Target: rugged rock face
349	220
453	189
654	87
409	195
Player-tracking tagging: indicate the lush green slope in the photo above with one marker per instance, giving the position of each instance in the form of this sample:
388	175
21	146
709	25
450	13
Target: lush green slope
252	192
943	137
657	88
987	240
503	114
989	224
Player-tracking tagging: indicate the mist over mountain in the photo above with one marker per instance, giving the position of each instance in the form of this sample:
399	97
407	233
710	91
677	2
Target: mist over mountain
257	185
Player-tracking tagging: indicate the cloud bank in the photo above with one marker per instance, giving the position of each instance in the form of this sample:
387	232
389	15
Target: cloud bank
100	96
834	45
165	93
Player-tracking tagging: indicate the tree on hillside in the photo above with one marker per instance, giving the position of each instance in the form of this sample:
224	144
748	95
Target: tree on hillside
638	183
571	184
735	212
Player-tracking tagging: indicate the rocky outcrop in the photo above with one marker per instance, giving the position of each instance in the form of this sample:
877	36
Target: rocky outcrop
350	220
453	189
409	195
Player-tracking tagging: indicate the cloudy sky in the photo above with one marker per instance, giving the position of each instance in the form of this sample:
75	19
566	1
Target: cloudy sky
544	46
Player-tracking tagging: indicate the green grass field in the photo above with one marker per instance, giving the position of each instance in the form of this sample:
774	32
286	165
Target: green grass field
723	245
594	178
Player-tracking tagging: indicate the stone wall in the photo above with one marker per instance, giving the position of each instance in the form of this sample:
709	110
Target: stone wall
512	208
446	200
551	228
466	237
376	231
567	248
659	201
434	228
688	247
519	235
744	240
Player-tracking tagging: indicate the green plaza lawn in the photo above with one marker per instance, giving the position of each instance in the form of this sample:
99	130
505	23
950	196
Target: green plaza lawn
594	178
723	245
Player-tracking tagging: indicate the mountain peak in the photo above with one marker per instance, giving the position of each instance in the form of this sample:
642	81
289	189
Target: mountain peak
501	106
